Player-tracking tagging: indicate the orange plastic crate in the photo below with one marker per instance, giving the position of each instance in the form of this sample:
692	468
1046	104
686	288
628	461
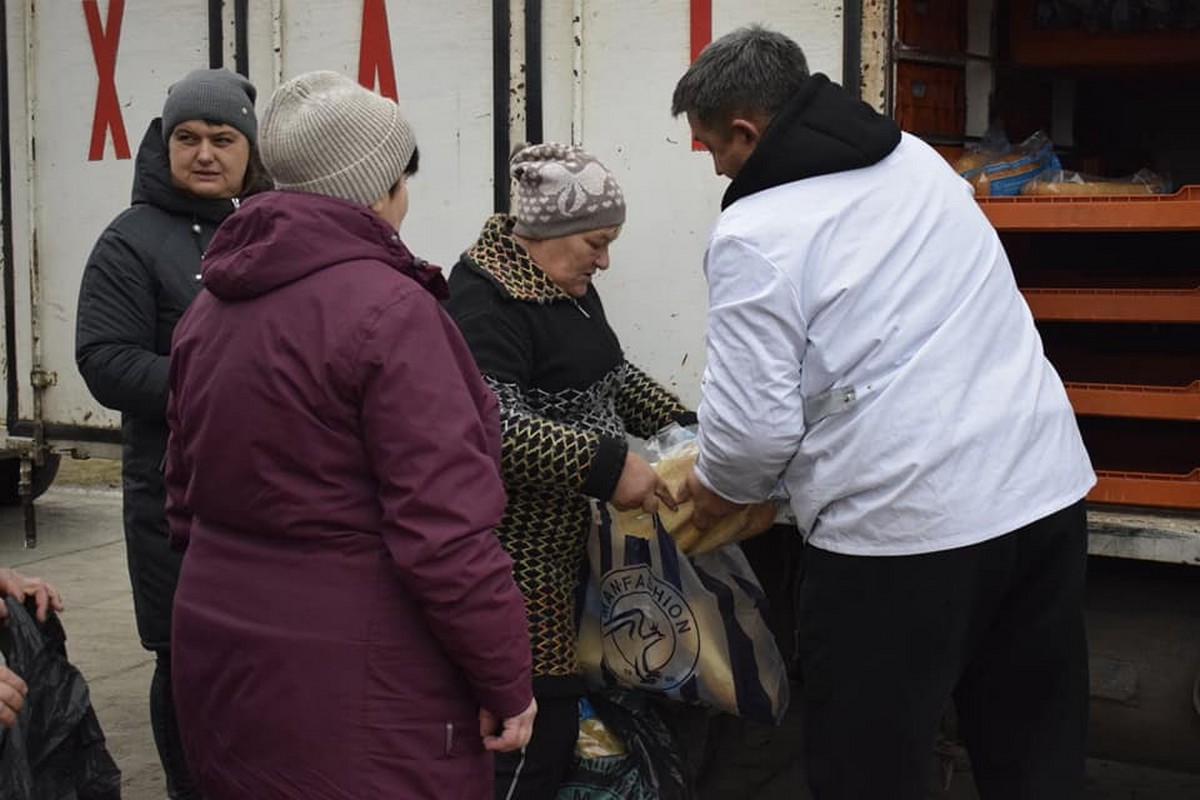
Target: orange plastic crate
1141	402
931	100
1078	47
934	25
1154	212
1115	305
1147	489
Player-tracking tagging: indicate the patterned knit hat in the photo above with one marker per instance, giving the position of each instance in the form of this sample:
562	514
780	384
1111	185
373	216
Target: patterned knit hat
322	133
213	95
562	190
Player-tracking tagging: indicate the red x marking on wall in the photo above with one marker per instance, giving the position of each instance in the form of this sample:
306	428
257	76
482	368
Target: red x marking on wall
104	49
701	35
375	50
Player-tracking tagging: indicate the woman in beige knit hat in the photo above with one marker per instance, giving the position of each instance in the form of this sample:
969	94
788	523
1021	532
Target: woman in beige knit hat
346	624
523	297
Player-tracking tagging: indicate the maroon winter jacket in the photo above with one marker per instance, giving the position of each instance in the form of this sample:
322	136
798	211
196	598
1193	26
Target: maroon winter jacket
344	608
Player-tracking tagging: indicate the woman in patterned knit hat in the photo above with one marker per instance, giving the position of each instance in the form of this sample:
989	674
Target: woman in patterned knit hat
523	297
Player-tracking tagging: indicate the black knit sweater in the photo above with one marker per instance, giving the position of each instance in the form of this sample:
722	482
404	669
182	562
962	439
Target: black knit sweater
567	399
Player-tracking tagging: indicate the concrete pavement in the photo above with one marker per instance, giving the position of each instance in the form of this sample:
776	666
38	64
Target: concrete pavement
82	552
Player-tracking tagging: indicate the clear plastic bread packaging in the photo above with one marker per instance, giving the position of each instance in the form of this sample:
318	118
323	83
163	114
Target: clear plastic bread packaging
1067	183
997	168
674	461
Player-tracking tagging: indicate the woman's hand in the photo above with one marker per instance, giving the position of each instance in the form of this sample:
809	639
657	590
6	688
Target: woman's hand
17	586
12	696
513	733
641	487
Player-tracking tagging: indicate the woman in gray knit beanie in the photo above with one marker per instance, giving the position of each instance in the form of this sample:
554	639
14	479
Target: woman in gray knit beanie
523	297
346	622
194	164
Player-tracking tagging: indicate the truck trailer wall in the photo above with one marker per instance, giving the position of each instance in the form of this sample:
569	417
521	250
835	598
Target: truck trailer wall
85	79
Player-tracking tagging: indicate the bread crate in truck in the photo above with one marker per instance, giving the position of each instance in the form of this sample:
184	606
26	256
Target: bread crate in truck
1112	279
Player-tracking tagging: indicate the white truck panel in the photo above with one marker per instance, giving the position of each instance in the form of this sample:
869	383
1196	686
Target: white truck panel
631	57
608	70
65	191
442	53
20	177
76	189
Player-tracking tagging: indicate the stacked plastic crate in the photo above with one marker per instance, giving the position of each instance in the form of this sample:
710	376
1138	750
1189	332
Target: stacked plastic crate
1114	284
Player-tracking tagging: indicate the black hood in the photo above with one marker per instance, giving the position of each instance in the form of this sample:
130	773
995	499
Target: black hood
820	131
152	182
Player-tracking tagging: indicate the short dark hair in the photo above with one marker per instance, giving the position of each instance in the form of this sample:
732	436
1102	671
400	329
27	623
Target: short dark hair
751	70
256	179
410	169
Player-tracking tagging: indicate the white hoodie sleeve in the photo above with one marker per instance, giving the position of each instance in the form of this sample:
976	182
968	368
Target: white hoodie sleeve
751	410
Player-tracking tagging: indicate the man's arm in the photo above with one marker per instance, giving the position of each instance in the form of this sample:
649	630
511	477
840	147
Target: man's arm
751	410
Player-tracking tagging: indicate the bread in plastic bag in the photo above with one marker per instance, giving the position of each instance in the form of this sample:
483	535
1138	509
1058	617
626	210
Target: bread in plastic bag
674	452
996	168
1069	183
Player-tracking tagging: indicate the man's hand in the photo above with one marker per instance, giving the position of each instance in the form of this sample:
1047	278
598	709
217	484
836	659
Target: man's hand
641	487
709	507
12	696
17	586
514	732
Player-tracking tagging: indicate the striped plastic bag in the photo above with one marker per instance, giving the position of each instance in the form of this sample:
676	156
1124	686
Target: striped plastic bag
693	629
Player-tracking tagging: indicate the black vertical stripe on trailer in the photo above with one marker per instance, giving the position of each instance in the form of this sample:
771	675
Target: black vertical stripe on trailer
216	34
241	33
852	12
533	71
501	107
6	205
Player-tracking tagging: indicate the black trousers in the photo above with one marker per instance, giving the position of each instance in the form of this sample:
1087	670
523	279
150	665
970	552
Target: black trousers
537	773
887	642
737	759
180	785
154	573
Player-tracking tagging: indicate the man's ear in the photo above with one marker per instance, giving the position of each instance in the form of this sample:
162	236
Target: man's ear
747	129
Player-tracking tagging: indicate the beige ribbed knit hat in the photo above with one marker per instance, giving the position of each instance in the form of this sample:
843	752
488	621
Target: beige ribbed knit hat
322	133
562	190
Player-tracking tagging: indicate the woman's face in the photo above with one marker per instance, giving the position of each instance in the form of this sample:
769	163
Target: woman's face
572	261
208	160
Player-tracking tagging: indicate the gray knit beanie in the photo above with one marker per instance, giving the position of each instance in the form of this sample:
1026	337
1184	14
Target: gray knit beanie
322	133
213	95
562	190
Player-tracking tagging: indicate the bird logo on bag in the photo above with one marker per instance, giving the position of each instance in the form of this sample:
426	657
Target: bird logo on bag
635	638
649	632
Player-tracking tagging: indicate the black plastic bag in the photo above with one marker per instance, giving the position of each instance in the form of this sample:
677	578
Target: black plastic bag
56	750
652	766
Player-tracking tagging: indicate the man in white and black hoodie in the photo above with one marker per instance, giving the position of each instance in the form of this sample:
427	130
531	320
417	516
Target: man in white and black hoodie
868	347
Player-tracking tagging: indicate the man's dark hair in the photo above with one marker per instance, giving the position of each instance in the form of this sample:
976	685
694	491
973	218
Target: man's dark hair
751	70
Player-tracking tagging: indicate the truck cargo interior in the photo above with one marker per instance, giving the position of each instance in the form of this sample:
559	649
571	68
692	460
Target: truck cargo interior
1105	245
1112	87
